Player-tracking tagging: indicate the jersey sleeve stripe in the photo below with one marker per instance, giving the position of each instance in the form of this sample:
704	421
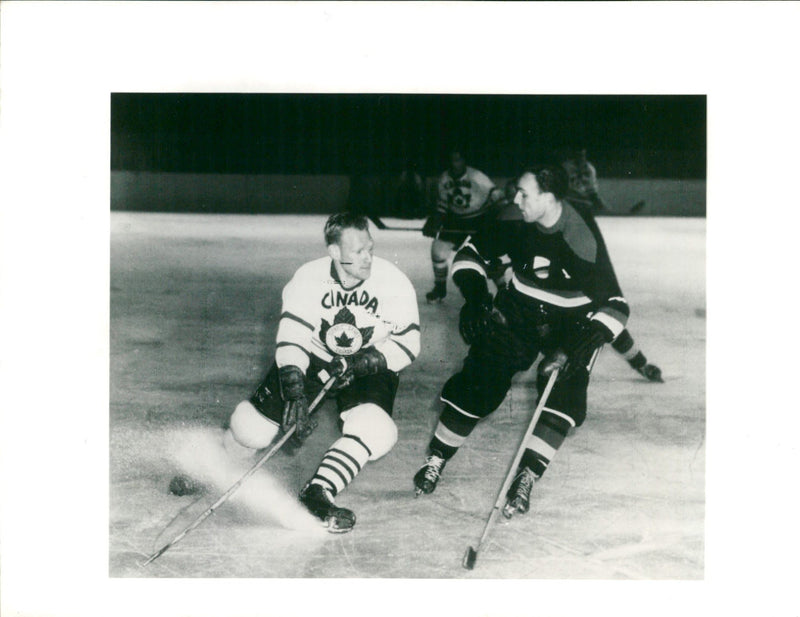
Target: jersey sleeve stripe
411	327
566	299
615	313
293	317
405	349
609	322
288	344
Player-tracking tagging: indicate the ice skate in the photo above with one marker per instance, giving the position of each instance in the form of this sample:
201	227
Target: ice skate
519	495
651	372
427	477
437	294
319	501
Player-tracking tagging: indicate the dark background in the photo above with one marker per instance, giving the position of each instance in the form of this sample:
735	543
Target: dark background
351	134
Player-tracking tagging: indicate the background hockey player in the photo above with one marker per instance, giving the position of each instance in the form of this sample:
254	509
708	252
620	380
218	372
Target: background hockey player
464	197
563	301
584	192
348	314
583	186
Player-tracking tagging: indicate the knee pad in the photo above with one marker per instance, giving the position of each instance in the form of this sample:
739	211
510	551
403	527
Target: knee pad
373	426
251	429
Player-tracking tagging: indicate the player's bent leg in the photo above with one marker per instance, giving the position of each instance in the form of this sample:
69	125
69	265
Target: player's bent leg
372	426
440	253
368	433
470	395
540	448
255	422
565	409
249	429
452	430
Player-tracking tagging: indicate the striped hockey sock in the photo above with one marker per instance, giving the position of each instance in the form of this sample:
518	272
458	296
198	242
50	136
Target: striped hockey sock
454	427
548	435
341	463
626	347
440	272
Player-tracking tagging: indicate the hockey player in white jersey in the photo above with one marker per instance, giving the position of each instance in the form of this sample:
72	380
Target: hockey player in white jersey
465	197
348	314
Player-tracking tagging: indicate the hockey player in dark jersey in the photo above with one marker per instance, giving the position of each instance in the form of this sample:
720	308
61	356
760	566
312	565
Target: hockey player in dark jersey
563	302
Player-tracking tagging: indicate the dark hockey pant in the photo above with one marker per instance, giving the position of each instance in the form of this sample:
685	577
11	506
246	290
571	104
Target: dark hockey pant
480	386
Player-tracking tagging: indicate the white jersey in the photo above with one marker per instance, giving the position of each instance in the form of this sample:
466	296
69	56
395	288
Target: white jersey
321	317
466	196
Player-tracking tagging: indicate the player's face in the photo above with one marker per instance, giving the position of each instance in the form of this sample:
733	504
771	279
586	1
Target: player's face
529	198
510	191
354	251
458	165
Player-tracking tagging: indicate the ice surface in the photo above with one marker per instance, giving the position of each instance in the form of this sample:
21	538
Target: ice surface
194	307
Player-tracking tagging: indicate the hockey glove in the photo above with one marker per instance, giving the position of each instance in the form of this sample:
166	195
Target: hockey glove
367	361
433	225
591	337
476	320
556	360
295	404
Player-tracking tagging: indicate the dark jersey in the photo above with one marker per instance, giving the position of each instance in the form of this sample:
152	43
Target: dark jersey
564	266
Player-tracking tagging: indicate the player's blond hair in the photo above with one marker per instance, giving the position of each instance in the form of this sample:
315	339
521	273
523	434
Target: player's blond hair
343	220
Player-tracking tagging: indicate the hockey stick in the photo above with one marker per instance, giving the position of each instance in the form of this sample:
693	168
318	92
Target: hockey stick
227	494
636	207
471	554
383	226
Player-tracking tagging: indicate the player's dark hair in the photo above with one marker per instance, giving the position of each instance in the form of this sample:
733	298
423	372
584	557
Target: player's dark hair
343	220
551	179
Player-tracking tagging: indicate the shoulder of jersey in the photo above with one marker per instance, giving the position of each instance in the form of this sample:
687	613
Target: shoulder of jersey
579	234
384	268
478	174
317	268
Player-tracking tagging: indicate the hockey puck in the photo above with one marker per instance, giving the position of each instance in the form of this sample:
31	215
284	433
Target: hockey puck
182	485
469	558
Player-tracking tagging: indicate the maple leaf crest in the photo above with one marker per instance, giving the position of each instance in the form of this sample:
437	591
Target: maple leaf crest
345	316
343	340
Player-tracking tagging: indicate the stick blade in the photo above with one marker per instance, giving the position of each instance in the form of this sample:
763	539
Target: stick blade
470	556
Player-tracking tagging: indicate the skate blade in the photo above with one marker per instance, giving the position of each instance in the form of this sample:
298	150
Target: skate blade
334	529
330	526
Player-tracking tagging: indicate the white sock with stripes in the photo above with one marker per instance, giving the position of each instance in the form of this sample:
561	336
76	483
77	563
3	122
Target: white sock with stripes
341	463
